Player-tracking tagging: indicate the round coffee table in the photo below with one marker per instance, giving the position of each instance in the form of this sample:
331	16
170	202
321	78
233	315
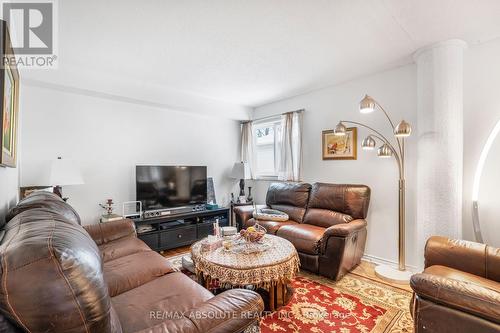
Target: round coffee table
272	269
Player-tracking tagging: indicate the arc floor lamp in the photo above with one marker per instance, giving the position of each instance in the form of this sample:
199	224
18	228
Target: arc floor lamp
388	148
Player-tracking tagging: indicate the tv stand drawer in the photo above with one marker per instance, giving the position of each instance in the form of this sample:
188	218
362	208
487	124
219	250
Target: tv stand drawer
177	237
151	239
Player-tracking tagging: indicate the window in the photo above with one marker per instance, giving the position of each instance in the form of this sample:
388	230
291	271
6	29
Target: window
266	135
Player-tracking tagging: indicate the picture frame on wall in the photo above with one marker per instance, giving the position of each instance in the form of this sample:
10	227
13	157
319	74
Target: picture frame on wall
340	147
9	106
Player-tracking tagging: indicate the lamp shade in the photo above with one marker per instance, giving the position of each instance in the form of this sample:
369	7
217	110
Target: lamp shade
384	151
403	129
368	143
340	129
65	172
367	105
240	171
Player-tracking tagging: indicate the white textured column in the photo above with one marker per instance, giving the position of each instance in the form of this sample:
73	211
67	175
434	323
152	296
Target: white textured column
440	141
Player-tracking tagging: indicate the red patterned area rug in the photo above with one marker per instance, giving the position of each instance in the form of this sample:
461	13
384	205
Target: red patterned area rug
355	304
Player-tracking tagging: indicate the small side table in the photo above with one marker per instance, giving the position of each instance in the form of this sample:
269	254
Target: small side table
233	216
272	270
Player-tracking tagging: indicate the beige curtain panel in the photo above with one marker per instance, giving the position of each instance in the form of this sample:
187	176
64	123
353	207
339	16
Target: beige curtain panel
289	147
247	147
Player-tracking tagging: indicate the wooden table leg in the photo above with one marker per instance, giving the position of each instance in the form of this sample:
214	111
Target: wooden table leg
279	295
207	283
285	292
271	298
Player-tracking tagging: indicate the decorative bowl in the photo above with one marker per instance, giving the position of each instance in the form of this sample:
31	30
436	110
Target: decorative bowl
253	234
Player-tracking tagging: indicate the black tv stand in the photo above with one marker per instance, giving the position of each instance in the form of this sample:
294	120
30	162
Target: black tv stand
177	230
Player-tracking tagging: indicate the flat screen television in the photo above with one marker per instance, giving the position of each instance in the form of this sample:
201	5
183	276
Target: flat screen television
164	187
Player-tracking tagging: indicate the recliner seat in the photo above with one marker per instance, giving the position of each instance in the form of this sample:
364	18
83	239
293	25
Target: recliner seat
459	289
326	223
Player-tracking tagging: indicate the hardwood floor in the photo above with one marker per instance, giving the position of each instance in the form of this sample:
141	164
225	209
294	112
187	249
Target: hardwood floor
174	252
365	269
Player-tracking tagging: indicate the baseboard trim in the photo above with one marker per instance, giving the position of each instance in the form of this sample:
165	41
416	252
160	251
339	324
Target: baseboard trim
383	261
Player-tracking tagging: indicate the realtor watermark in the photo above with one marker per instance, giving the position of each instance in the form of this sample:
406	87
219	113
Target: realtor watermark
33	33
224	315
281	315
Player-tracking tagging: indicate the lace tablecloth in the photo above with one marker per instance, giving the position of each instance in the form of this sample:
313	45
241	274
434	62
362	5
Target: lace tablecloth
279	264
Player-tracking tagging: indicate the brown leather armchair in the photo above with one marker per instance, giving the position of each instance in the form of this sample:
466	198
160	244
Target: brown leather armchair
459	289
326	223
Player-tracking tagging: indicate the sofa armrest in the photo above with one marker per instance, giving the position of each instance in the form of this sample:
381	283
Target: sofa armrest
474	258
231	311
345	229
464	296
234	310
245	213
109	231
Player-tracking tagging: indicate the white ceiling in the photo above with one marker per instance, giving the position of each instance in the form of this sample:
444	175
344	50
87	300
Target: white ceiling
254	52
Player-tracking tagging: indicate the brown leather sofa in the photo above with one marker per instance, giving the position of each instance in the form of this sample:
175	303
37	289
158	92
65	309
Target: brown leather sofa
57	276
459	290
326	223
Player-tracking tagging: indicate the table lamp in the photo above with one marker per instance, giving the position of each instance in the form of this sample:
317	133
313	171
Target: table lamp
63	173
241	171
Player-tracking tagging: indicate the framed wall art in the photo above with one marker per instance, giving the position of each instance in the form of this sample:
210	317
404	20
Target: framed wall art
339	147
9	108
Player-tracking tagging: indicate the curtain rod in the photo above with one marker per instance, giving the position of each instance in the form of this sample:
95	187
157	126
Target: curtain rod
272	116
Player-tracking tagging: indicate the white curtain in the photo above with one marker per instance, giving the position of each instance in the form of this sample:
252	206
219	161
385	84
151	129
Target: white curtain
289	147
247	148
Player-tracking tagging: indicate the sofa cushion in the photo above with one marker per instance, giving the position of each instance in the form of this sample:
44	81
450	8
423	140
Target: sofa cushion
52	278
291	194
271	226
305	237
48	201
122	247
174	292
290	198
134	270
331	204
107	232
325	218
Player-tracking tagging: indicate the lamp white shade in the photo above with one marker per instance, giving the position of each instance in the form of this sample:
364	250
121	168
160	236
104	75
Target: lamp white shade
240	170
368	143
340	129
65	172
384	151
367	105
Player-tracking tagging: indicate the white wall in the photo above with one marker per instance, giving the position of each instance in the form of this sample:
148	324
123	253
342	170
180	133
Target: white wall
108	138
481	113
396	91
8	189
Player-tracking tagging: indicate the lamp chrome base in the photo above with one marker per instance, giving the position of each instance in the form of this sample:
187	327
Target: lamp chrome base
392	275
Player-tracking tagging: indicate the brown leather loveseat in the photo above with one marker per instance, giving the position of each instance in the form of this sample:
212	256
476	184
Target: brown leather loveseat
326	223
459	289
57	276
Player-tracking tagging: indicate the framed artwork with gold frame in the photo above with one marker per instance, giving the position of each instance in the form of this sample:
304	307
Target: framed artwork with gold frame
340	147
9	107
